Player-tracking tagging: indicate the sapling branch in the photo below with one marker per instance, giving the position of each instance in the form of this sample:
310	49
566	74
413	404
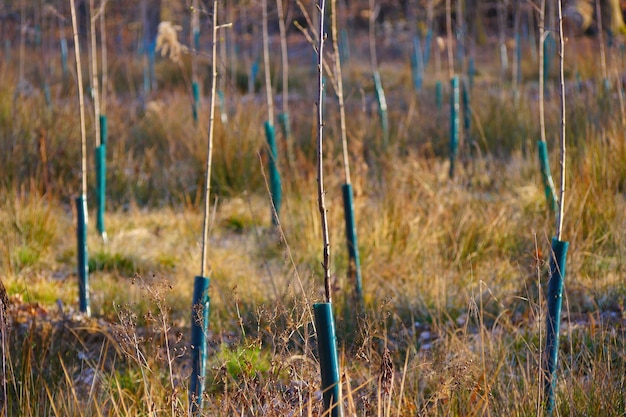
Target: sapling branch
266	64
94	71
81	102
207	191
320	165
559	223
339	92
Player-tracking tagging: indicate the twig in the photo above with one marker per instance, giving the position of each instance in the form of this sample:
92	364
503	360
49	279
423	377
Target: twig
320	166
266	63
559	222
339	92
94	72
81	103
207	205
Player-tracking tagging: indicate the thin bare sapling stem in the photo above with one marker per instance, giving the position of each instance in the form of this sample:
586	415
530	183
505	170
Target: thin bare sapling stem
104	59
559	222
94	70
320	165
266	64
207	190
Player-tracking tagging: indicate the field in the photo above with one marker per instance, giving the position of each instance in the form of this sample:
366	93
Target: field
454	270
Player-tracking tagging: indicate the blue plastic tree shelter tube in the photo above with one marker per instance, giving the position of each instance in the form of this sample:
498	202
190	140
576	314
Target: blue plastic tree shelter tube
275	184
7	51
467	110
344	46
46	94
429	36
200	310
329	364
82	258
64	56
382	108
101	170
549	47
471	72
518	58
546	176
354	269
417	64
285	126
454	123
254	71
439	94
222	104
558	260
196	99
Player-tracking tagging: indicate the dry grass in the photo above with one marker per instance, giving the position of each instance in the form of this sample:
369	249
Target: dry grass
452	271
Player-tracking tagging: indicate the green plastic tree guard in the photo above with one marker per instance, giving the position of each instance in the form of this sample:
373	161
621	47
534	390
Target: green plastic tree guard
546	176
429	37
439	94
471	72
454	124
222	104
64	56
200	309
382	108
558	260
83	267
275	184
196	98
344	46
351	236
467	110
7	51
329	364
285	126
100	157
417	64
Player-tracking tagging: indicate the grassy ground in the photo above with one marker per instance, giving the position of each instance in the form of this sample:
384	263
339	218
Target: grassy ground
454	270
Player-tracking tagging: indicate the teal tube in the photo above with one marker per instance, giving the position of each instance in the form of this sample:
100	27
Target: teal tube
467	110
83	266
275	184
222	103
471	72
196	98
200	309
454	123
104	130
64	56
354	269
439	94
518	56
100	158
417	64
382	108
7	51
549	46
285	126
329	364
558	260
546	176
196	39
429	37
344	46
46	94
